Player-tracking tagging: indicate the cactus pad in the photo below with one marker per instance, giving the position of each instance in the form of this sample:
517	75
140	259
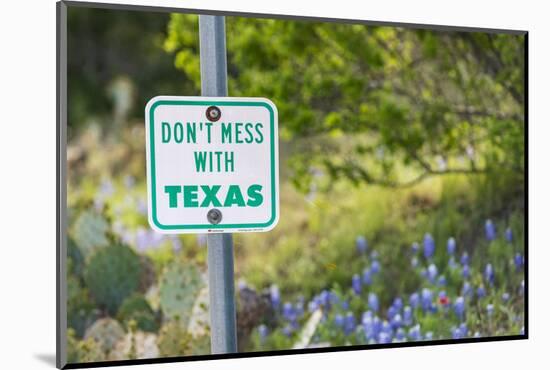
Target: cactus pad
179	288
90	231
137	308
112	274
106	332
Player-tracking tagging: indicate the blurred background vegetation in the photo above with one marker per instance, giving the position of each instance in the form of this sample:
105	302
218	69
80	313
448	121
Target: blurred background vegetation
387	135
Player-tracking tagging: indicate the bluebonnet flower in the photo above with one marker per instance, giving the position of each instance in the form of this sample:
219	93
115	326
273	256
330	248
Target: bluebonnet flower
396	321
481	292
489	274
375	267
414	333
392	311
490	231
373	302
427	297
288	330
333	298
415	247
367	315
465	271
407	315
349	323
518	261
299	307
463	330
386	327
429	336
459	307
432	273
398	303
356	284
505	297
361	244
456	333
465	259
275	296
367	278
490	309
467	289
429	246
400	335
325	298
509	235
345	305
451	263
451	246
263	332
288	311
442	281
339	320
414	300
384	337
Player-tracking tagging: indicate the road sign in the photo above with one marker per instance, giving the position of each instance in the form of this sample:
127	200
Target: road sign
212	164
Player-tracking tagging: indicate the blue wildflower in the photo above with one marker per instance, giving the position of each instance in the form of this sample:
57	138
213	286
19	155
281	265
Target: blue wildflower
288	330
489	274
407	315
356	284
349	323
429	246
490	231
467	289
414	333
361	244
415	247
427	298
465	271
509	235
396	321
451	263
518	261
414	300
429	336
465	259
451	246
505	297
375	267
463	330
456	333
481	292
288	311
339	320
400	335
432	273
459	307
398	303
263	332
384	337
442	281
367	278
373	302
345	305
490	309
275	296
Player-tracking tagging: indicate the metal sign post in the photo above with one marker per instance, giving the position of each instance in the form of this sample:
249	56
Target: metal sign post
220	246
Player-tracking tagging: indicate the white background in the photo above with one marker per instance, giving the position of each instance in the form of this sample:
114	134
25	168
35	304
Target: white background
27	149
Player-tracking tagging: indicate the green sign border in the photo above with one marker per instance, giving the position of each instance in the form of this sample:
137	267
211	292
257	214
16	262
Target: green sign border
153	166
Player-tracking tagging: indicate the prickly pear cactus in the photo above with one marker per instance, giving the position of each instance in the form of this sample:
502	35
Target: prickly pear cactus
135	345
75	261
138	309
106	332
81	311
112	274
90	231
179	287
79	351
174	340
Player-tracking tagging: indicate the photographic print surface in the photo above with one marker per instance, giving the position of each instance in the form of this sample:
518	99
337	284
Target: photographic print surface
401	185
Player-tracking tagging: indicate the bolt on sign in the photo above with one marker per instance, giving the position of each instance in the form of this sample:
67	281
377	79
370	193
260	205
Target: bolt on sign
212	164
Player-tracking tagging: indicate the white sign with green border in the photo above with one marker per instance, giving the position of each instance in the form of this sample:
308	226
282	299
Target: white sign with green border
212	164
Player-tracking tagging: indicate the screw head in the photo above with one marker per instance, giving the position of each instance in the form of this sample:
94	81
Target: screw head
214	216
213	113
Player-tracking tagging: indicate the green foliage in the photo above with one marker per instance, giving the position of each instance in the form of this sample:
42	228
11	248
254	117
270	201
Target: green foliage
138	309
81	311
438	102
179	287
79	351
113	274
90	232
174	340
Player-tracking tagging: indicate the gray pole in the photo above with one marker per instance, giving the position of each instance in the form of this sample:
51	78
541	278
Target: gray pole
220	246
